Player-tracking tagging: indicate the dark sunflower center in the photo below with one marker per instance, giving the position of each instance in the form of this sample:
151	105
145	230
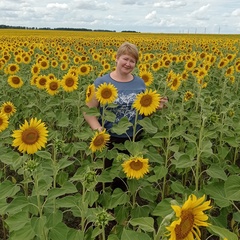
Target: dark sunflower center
146	101
145	78
69	82
190	64
53	86
98	141
136	165
89	92
83	69
8	109
42	81
175	82
35	69
30	136
1	121
13	68
167	62
184	228
106	93
43	64
15	80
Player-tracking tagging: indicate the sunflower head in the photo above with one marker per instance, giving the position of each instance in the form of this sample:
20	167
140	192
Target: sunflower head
147	102
31	137
52	86
188	95
106	93
136	167
3	121
99	141
147	77
8	108
69	82
15	81
190	217
90	92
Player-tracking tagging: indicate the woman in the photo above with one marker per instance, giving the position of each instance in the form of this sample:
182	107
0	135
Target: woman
128	86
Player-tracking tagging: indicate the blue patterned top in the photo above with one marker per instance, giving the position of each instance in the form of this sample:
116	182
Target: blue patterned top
127	92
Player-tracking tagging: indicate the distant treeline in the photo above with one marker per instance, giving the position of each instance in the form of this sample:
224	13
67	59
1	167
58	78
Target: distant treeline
59	28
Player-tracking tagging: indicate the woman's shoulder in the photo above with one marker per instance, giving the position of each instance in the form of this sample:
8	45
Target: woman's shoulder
102	79
139	80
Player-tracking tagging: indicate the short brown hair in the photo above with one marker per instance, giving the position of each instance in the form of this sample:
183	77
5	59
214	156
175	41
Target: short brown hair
129	49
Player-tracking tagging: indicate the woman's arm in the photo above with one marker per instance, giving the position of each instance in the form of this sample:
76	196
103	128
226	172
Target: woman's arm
92	120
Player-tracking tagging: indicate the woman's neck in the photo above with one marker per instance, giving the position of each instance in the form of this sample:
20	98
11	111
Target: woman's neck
119	77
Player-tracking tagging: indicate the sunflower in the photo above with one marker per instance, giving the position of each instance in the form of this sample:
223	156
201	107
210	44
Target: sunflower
175	82
190	218
222	63
18	59
237	67
12	69
231	79
184	75
156	66
106	93
76	60
147	102
188	95
135	167
15	81
8	108
44	64
99	141
147	77
229	71
64	66
54	63
31	137
41	81
190	64
26	59
52	86
106	66
84	69
35	70
90	92
3	121
69	82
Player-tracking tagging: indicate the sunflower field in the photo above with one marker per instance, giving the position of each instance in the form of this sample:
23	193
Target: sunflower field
182	178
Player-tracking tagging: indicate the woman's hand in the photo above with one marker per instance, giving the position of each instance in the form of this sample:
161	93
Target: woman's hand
162	103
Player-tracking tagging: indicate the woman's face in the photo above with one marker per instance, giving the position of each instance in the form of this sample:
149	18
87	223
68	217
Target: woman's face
126	63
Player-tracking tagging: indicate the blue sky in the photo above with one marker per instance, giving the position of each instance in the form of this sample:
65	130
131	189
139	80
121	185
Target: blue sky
156	16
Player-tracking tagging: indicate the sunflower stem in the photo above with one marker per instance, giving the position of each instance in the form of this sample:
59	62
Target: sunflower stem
199	149
134	199
54	160
38	195
83	204
103	113
25	184
135	127
103	233
166	159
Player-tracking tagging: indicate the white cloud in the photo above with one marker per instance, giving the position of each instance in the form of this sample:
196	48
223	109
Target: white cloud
201	13
138	15
169	4
236	12
92	5
151	15
57	6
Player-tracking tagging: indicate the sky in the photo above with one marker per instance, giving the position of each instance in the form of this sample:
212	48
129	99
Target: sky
147	16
